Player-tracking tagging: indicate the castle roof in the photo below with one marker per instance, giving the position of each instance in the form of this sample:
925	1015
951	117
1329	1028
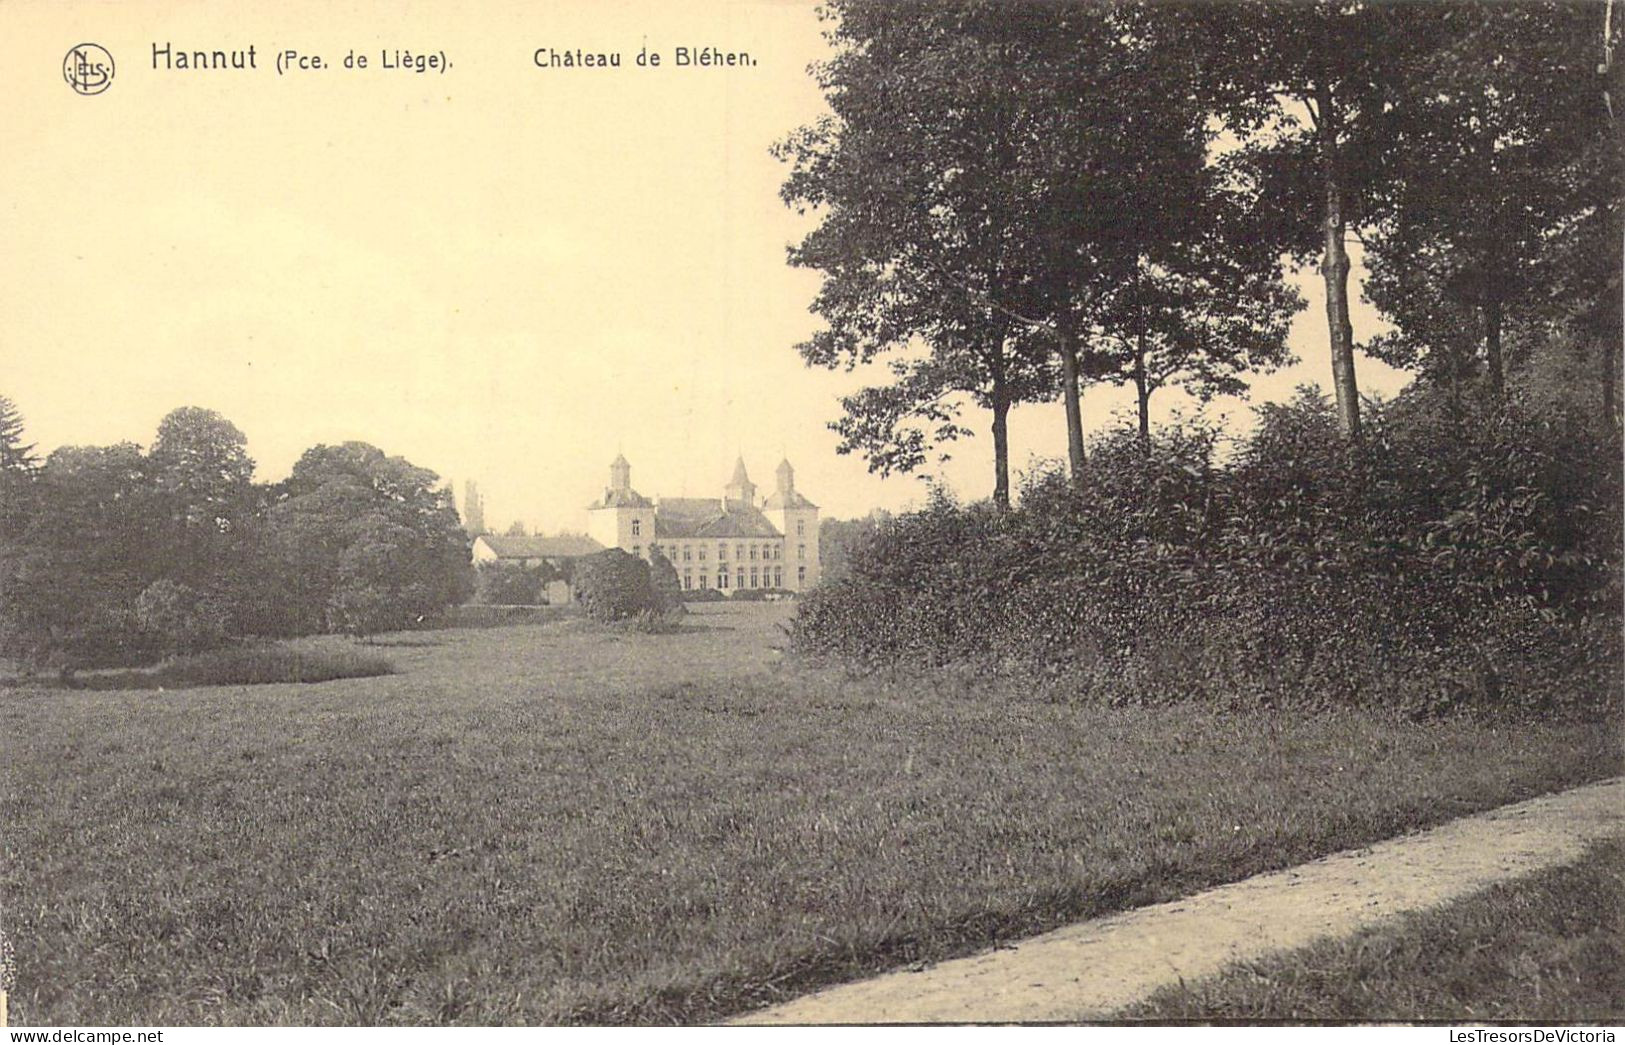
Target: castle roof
566	547
621	499
791	499
709	517
740	478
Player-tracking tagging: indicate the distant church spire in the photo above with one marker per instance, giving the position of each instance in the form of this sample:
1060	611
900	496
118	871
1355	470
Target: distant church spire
473	508
740	490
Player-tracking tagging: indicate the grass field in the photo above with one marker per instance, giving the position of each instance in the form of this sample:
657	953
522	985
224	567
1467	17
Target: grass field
553	823
1545	949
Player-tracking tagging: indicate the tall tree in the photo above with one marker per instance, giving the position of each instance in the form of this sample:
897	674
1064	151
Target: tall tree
361	541
1202	302
18	468
916	175
1481	177
1306	85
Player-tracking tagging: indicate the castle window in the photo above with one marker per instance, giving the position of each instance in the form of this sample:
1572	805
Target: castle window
753	583
739	577
702	553
778	577
739	551
753	552
637	549
637	527
705	580
722	579
722	551
687	551
801	527
688	579
801	551
801	576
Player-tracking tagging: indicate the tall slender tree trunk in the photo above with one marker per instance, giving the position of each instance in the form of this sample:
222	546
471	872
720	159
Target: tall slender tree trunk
1067	336
1334	267
1001	449
1142	389
1494	370
1610	377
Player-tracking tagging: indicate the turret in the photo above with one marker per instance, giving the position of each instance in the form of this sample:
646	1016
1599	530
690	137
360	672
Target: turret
624	518
620	475
797	518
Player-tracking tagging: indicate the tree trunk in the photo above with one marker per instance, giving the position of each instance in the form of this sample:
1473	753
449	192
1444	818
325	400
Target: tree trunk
1494	371
1610	371
1001	450
1142	388
1334	269
1074	410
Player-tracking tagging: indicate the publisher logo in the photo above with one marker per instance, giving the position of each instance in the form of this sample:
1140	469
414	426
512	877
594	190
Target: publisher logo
88	68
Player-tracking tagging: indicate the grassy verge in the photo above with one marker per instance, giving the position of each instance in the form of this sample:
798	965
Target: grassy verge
245	666
1549	948
548	824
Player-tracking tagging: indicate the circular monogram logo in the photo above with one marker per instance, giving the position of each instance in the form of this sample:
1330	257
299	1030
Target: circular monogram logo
88	68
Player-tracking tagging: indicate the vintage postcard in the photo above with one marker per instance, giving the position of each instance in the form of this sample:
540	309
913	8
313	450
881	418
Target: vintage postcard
755	511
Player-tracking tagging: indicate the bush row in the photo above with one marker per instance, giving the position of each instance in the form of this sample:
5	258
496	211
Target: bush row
1463	557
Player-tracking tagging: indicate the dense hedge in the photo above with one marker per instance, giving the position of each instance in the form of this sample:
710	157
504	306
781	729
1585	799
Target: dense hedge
613	585
1465	557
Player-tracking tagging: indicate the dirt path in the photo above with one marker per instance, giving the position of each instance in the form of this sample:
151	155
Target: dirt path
1087	971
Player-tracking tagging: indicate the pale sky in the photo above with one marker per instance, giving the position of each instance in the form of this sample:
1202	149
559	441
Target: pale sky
503	273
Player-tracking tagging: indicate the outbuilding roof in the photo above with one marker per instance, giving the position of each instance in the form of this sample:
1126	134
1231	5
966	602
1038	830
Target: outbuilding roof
566	547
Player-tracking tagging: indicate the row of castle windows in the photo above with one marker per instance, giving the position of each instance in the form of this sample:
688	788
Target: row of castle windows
801	531
764	578
768	551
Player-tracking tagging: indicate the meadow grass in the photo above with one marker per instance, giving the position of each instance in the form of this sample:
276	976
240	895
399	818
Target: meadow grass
563	823
1549	948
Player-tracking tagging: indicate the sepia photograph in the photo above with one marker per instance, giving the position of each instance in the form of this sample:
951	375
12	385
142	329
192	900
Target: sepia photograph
799	513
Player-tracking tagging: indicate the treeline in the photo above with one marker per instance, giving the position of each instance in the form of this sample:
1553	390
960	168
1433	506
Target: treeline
116	555
1469	559
1016	200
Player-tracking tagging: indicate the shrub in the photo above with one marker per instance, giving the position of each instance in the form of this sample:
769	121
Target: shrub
181	620
511	583
665	589
613	585
1469	562
702	595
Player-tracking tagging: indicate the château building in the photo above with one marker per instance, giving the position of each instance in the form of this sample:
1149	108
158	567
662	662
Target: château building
730	543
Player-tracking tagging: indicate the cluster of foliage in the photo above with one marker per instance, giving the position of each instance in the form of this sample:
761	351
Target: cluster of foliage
1013	200
512	584
1467	557
613	585
111	555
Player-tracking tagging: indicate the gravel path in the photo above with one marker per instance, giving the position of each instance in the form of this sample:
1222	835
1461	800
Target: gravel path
1088	970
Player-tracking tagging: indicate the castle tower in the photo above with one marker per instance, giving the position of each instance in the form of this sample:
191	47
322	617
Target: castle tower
624	518
740	491
473	509
797	518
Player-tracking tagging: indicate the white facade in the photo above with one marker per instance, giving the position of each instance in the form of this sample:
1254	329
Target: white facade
730	543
